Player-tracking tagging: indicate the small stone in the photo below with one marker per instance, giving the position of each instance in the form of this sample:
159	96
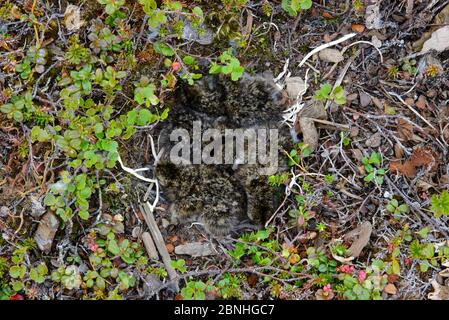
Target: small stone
357	154
365	99
398	151
295	86
438	41
4	211
46	231
330	55
165	223
378	103
195	249
136	232
376	42
351	97
151	284
374	141
191	34
37	209
388	195
354	132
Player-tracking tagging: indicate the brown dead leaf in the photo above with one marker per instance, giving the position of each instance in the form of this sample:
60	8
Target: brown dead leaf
46	231
306	125
170	247
398	151
378	103
405	169
423	186
327	15
362	235
351	97
252	280
359	28
421	103
392	278
421	157
424	157
390	289
310	133
410	101
405	129
249	25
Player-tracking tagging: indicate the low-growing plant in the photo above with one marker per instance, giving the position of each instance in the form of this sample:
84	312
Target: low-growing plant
76	53
409	66
230	286
111	6
393	72
326	92
278	179
195	290
440	204
228	65
292	7
372	167
398	210
432	70
301	151
300	216
19	107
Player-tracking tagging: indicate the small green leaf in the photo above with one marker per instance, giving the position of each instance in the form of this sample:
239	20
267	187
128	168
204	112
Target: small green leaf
395	267
50	200
163	49
424	232
113	247
305	4
189	60
83	214
423	266
215	69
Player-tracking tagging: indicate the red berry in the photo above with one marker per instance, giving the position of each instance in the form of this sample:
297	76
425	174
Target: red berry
16	297
176	66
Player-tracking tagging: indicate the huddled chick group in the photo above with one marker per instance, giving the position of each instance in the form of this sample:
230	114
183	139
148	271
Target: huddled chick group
222	196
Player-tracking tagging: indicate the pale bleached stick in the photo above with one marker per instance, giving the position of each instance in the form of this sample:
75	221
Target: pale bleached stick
324	46
411	109
284	71
149	246
134	171
159	242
